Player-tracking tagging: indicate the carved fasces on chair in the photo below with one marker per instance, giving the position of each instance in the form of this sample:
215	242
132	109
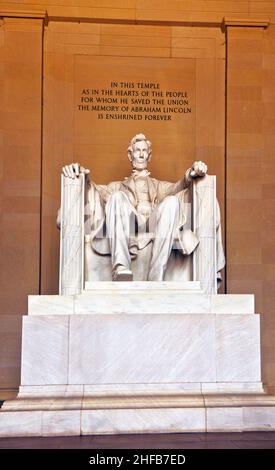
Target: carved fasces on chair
71	276
204	226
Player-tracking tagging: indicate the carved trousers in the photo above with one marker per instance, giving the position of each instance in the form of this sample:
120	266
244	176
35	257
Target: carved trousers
121	220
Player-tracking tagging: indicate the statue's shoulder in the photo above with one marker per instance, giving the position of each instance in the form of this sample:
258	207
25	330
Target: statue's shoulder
106	189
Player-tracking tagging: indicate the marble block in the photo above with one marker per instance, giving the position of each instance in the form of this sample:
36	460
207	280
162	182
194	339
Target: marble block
45	350
142	298
232	303
145	286
134	302
224	419
143	389
232	387
20	423
261	418
143	420
44	391
50	305
142	349
61	423
238	348
241	418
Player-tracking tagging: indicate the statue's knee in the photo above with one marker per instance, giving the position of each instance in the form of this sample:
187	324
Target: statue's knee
116	198
117	195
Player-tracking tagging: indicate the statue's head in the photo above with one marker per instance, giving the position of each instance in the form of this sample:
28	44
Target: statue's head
139	152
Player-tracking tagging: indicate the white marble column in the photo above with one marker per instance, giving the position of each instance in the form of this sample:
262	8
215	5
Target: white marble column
71	276
204	226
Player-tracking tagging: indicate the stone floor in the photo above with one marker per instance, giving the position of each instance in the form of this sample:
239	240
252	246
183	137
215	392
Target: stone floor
245	440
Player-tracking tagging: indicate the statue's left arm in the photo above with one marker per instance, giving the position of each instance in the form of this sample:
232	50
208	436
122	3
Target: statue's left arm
198	169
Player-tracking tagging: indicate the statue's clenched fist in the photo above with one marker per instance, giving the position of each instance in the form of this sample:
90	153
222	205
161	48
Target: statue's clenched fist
73	170
198	169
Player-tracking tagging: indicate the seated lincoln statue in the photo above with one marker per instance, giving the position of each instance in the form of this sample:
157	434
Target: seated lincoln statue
125	218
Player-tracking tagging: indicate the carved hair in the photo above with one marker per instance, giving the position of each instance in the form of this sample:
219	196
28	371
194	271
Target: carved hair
138	138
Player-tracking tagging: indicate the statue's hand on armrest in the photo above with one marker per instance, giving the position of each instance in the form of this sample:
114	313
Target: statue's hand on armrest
198	169
74	170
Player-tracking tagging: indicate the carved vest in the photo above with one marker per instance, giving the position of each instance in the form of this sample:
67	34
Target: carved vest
144	205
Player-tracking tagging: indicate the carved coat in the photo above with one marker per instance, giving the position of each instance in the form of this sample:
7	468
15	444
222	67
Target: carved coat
97	196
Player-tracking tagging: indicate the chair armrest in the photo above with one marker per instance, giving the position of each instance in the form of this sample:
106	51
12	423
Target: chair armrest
204	227
71	264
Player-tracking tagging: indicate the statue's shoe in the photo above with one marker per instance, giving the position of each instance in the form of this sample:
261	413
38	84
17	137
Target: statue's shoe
122	274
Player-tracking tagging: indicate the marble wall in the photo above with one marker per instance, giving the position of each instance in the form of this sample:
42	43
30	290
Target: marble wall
250	215
20	173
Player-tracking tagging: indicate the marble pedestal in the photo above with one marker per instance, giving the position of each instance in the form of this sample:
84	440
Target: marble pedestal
139	357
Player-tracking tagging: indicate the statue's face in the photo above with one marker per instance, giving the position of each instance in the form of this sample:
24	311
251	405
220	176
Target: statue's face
140	155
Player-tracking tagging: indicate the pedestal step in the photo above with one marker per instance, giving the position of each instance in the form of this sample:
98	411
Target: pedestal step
141	298
119	414
139	357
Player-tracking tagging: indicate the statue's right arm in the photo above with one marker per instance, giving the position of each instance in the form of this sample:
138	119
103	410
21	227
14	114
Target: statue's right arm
74	170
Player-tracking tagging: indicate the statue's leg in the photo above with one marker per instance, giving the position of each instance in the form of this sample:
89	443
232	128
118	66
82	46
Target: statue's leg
120	220
166	217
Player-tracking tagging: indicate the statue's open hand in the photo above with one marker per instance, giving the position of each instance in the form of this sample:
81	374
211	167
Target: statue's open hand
198	169
73	170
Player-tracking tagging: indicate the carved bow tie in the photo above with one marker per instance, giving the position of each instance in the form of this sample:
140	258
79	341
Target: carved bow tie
140	174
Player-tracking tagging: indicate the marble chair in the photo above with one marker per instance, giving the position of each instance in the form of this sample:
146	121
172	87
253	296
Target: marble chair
80	264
